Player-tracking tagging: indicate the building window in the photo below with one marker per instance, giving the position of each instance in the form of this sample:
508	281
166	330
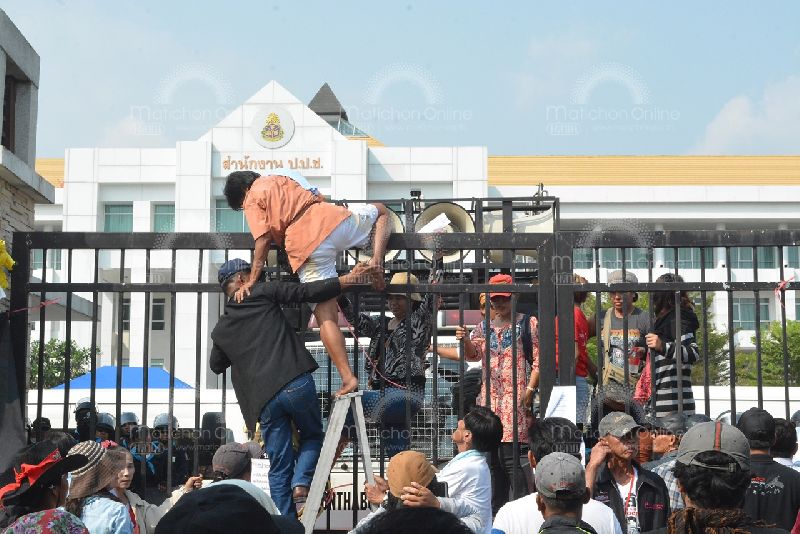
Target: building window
793	258
164	218
118	218
9	103
582	258
53	259
157	362
158	321
742	258
635	258
126	314
744	313
227	220
688	258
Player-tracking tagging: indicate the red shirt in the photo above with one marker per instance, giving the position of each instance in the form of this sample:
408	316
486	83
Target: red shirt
581	337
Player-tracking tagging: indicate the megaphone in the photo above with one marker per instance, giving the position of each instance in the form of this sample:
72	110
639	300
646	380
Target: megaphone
538	223
394	226
458	220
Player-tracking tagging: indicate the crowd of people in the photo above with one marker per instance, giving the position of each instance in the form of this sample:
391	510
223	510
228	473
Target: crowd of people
638	459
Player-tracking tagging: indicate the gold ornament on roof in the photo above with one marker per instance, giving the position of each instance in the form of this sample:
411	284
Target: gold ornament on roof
272	131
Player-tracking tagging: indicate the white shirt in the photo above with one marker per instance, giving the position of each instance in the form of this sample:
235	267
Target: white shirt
469	482
628	494
523	517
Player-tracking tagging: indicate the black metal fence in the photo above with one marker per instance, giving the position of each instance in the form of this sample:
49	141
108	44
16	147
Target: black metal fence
105	269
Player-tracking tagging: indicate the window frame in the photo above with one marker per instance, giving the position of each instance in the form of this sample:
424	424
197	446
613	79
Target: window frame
106	216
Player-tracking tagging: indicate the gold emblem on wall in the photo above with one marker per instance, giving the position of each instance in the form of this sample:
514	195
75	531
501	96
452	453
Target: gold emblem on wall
272	131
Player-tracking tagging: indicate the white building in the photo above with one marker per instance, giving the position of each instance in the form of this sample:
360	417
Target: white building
180	190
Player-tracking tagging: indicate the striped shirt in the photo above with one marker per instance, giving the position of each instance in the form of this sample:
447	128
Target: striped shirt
666	372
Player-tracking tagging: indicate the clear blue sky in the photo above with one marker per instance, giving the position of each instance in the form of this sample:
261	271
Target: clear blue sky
519	77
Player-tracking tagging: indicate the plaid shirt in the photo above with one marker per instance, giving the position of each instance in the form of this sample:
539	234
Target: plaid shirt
664	470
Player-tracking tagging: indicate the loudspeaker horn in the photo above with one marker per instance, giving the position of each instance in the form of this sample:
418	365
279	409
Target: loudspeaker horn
537	223
458	221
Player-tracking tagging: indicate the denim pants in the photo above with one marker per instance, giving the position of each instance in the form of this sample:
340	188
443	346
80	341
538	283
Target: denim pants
389	409
581	399
296	403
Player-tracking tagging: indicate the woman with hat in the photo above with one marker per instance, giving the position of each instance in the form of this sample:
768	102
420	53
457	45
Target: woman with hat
501	386
36	481
395	358
89	496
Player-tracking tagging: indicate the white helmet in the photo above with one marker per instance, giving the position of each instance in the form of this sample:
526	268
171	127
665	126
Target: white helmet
128	417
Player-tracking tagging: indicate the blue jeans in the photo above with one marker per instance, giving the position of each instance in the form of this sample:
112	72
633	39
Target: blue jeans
581	399
390	410
296	403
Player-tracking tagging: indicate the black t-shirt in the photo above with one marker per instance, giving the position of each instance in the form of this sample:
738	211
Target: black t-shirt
774	492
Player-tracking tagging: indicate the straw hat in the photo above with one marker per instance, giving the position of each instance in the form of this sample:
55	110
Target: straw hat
402	279
100	471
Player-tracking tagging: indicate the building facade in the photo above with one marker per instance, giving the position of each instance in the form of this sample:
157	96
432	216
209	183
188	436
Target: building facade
179	189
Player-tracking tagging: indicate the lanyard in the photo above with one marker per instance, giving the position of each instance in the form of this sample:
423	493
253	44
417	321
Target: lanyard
630	491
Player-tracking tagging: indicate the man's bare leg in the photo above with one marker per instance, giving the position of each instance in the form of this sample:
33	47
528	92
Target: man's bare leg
327	314
381	236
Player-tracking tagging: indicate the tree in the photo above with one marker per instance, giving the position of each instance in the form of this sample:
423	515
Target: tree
771	357
55	355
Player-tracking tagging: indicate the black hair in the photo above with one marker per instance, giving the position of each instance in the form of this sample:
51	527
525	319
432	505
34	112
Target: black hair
562	506
486	428
236	187
62	440
554	434
664	301
785	439
416	521
711	488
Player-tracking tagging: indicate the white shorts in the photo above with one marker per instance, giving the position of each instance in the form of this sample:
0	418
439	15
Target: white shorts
353	232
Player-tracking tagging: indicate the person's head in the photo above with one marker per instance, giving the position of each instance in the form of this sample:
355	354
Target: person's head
84	412
105	427
232	460
785	445
579	296
62	440
560	486
39	427
481	430
796	418
236	186
219	508
416	521
232	274
667	432
621	433
398	303
758	426
713	466
404	468
37	479
127	422
125	475
623	300
552	434
100	471
664	301
501	301
485	307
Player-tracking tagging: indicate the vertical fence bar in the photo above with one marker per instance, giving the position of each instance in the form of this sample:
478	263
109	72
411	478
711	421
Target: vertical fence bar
784	341
93	366
171	408
731	343
601	352
626	304
40	362
19	320
704	305
547	316
120	327
649	354
68	347
678	354
197	367
224	399
759	371
145	368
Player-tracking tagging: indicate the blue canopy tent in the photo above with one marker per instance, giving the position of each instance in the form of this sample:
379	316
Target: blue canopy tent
132	378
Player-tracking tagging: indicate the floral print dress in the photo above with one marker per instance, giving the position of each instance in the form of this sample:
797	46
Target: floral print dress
501	378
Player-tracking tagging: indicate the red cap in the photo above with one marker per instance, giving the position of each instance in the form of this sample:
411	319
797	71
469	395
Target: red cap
500	279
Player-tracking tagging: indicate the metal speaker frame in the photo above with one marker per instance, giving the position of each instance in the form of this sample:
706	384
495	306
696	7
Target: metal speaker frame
527	224
395	226
461	222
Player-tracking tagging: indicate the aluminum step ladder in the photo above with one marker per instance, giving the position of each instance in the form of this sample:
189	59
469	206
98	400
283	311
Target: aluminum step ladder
323	472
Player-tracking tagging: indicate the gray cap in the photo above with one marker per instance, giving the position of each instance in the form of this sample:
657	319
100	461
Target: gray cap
233	459
715	436
617	424
616	278
560	476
